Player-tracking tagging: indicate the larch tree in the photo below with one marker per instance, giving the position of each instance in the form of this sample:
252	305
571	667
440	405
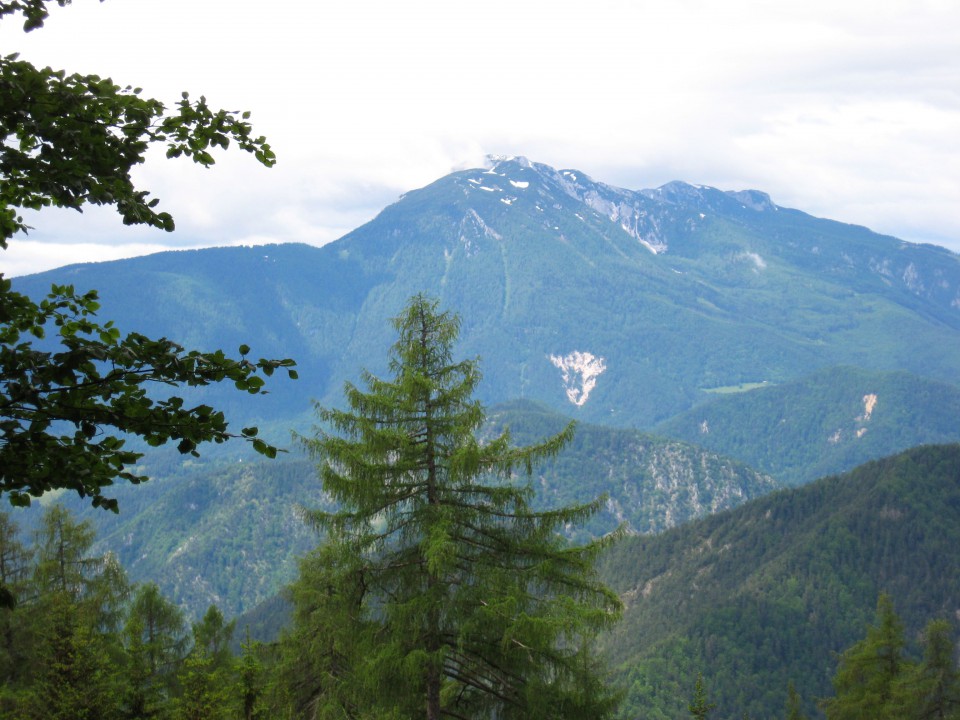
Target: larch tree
794	709
438	590
930	690
868	672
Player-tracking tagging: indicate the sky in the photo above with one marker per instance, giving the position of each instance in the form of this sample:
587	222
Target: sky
843	109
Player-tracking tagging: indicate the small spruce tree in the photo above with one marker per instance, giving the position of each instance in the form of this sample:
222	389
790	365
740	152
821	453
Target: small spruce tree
794	704
700	706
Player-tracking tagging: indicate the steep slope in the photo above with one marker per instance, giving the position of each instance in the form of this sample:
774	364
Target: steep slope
228	532
218	531
621	306
826	423
769	591
651	484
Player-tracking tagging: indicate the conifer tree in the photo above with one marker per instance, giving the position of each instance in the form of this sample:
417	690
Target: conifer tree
794	705
250	681
439	591
700	706
74	680
157	639
213	635
205	689
142	696
931	689
866	675
64	564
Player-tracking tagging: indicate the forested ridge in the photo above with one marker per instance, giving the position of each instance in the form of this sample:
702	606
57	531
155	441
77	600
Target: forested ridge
226	531
768	593
822	424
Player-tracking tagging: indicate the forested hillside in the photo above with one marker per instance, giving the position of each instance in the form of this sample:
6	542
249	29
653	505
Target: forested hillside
828	422
769	592
650	483
227	531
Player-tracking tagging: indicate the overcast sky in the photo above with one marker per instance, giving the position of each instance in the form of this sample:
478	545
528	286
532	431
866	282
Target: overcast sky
841	108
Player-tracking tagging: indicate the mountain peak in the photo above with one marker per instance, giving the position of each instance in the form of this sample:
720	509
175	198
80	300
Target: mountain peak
753	199
581	186
681	193
494	162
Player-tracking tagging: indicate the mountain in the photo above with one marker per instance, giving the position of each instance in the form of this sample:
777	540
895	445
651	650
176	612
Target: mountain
769	592
617	307
622	307
228	531
825	423
651	483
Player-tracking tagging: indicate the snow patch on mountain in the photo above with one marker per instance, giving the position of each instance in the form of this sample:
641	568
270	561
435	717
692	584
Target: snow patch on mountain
579	372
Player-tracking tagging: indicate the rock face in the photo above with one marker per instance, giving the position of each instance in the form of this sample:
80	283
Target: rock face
651	483
579	371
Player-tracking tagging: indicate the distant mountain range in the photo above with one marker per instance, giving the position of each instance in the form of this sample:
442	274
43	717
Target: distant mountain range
621	307
795	345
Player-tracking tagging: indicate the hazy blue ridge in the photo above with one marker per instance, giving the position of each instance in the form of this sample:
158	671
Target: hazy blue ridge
828	422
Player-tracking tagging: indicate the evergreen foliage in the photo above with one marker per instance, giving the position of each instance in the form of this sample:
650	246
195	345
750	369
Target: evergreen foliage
822	424
876	679
205	695
700	706
438	590
764	594
70	659
157	625
868	671
794	709
81	643
931	688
